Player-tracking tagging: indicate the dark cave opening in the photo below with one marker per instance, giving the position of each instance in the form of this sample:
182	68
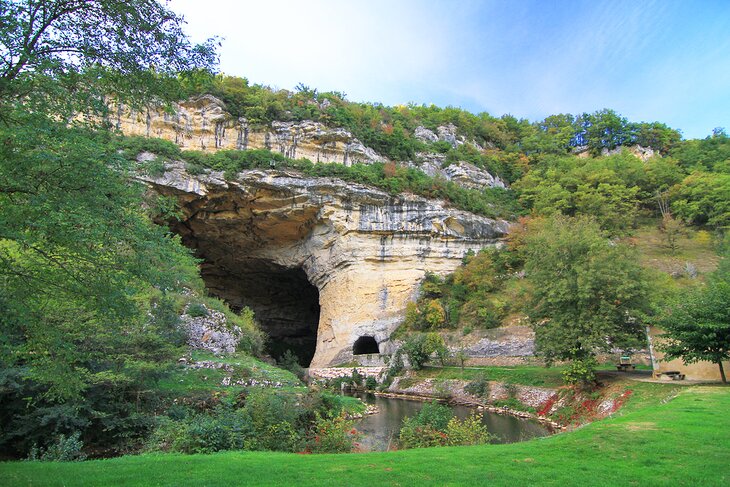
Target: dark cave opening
286	304
365	345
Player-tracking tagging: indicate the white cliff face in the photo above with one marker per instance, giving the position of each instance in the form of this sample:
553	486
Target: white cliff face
463	173
364	250
202	123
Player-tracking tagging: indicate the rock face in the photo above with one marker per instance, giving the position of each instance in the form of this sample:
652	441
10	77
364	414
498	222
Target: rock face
210	332
293	247
462	173
202	123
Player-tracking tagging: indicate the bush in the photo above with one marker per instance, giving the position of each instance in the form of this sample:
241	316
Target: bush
470	431
418	348
290	362
197	310
435	425
415	435
371	383
63	449
581	372
332	435
478	387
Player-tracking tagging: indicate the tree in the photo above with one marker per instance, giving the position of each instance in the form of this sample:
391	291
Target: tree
88	282
132	42
588	294
698	327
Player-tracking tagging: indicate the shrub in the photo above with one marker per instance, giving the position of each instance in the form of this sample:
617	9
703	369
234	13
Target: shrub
478	387
371	383
414	435
418	348
63	449
197	310
290	362
332	435
581	372
470	431
434	414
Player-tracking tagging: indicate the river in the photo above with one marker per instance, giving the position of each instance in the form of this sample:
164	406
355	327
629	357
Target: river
380	431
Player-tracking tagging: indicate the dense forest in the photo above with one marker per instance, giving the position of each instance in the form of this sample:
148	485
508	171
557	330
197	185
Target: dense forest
91	289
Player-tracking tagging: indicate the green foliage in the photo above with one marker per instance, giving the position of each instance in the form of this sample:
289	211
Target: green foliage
371	383
697	325
703	199
332	435
419	348
71	55
63	449
469	431
470	297
290	362
479	386
434	425
581	371
587	293
197	310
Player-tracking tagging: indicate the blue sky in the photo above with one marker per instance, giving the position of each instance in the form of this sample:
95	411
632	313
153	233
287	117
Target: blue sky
649	60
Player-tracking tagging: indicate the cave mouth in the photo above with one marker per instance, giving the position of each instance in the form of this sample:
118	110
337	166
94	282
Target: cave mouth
365	345
285	303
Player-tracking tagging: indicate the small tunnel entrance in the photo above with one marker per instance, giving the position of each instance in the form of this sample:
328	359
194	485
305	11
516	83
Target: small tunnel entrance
365	345
286	304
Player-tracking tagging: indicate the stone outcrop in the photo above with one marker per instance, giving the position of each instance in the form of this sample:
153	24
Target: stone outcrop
462	173
268	235
203	123
210	332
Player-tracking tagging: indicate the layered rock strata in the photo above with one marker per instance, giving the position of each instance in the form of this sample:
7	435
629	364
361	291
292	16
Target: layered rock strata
203	123
364	251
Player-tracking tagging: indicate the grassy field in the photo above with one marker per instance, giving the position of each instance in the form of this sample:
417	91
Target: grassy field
682	440
528	375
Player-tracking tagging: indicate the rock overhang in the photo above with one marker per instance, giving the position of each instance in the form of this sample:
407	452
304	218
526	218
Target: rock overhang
365	250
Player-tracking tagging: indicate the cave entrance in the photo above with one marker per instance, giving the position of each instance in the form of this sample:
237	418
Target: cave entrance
365	345
286	304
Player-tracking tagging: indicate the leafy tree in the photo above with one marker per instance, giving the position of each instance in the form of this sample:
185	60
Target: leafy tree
703	199
128	46
88	284
698	327
588	294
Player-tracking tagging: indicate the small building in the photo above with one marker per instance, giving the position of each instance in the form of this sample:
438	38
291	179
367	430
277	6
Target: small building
696	371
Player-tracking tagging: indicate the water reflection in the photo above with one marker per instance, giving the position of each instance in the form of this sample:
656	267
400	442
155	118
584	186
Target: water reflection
381	430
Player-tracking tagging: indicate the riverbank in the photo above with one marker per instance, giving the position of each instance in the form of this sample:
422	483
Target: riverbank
661	439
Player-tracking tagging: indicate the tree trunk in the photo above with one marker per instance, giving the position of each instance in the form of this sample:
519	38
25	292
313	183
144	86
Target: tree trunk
722	372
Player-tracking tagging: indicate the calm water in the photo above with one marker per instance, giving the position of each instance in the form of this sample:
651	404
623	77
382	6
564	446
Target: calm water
381	429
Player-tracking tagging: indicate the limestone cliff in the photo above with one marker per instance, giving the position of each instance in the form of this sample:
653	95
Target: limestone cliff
203	123
267	237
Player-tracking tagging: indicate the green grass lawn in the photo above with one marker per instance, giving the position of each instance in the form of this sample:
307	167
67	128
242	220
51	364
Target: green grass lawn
682	441
529	375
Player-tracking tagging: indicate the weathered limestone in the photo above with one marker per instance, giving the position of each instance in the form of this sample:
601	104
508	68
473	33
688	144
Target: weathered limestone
364	250
202	123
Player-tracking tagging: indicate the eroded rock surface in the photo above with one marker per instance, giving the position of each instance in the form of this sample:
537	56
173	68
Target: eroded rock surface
364	251
203	123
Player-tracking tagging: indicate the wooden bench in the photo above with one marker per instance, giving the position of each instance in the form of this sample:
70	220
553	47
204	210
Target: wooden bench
625	367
